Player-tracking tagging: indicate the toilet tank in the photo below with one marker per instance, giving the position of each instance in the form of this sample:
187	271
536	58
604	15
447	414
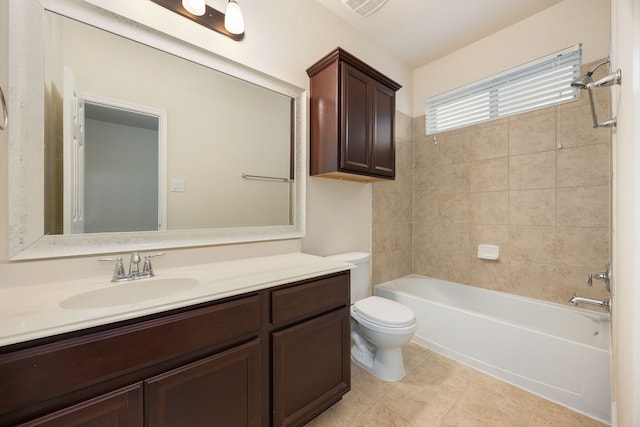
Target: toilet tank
360	288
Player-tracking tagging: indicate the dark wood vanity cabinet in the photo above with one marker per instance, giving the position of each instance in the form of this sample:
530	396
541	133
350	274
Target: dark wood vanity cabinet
352	119
220	390
311	349
122	407
207	365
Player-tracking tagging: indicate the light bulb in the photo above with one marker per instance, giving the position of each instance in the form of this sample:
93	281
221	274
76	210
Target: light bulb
233	20
194	7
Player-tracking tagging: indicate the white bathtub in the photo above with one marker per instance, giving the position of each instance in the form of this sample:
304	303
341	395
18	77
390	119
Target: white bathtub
558	352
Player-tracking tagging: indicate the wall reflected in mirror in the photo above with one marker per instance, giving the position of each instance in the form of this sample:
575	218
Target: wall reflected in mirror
137	139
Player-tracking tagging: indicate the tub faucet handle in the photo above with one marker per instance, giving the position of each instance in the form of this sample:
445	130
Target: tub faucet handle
605	277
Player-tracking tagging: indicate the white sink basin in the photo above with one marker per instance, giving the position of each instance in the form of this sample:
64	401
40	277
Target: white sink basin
129	293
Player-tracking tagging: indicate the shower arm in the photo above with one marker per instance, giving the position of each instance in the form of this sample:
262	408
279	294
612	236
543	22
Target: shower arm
586	82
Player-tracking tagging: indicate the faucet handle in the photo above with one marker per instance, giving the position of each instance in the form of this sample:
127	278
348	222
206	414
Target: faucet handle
604	277
147	269
118	271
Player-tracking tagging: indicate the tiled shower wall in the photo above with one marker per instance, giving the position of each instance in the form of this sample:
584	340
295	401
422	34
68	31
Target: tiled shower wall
537	185
392	221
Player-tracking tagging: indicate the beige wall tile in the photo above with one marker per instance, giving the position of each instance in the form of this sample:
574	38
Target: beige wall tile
532	207
453	239
455	268
584	166
532	279
490	140
489	175
419	126
575	128
533	133
536	244
389	237
454	146
490	208
404	166
584	206
403	127
426	207
425	248
489	274
583	246
532	171
454	207
425	165
390	265
453	178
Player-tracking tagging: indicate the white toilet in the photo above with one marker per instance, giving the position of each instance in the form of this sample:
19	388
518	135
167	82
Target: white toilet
379	326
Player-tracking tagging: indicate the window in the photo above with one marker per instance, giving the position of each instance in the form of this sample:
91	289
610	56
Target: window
538	84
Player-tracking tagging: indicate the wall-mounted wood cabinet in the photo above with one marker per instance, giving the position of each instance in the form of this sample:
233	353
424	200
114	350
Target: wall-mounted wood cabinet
352	119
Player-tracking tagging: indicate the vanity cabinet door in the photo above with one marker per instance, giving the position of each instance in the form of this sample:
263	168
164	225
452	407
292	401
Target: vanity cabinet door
220	390
121	408
311	368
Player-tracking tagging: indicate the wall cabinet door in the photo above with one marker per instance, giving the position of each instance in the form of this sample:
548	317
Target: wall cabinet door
367	142
355	141
311	368
383	105
221	390
352	112
121	408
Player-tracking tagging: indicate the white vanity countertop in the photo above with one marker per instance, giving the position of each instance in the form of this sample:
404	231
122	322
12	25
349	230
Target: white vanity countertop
31	312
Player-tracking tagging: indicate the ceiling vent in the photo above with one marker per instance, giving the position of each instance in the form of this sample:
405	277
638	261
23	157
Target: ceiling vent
364	7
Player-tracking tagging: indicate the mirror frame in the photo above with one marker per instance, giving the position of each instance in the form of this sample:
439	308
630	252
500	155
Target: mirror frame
26	139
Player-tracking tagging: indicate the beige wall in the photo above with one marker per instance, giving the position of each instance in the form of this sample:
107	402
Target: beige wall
282	39
537	185
558	27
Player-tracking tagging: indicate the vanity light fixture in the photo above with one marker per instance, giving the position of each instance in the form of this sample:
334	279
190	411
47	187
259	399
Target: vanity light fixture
194	7
230	23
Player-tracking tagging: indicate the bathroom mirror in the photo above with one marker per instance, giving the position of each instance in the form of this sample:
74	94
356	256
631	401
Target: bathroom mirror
225	162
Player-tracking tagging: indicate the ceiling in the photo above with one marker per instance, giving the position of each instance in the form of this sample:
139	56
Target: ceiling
420	31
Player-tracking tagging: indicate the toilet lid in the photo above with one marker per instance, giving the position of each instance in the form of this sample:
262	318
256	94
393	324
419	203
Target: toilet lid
384	312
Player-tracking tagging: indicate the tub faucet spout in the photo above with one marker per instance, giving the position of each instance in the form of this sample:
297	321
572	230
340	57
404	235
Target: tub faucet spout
575	300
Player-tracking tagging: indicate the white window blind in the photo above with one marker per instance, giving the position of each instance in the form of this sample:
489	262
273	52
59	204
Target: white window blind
538	84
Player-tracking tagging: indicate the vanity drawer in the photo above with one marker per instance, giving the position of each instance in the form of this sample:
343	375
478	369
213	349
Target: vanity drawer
309	299
46	377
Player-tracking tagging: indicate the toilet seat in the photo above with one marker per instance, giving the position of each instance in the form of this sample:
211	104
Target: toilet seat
383	312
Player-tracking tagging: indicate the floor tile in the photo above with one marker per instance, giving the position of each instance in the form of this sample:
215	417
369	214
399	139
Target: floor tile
440	392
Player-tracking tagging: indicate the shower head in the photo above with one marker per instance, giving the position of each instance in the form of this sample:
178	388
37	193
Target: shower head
583	82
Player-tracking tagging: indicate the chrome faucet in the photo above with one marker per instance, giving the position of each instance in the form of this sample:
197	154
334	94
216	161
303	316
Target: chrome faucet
134	273
574	300
605	277
134	265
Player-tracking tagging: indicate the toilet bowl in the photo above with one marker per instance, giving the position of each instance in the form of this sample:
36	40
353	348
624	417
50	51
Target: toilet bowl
379	326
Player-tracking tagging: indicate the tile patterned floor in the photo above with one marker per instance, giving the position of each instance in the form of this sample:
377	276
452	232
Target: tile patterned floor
440	392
